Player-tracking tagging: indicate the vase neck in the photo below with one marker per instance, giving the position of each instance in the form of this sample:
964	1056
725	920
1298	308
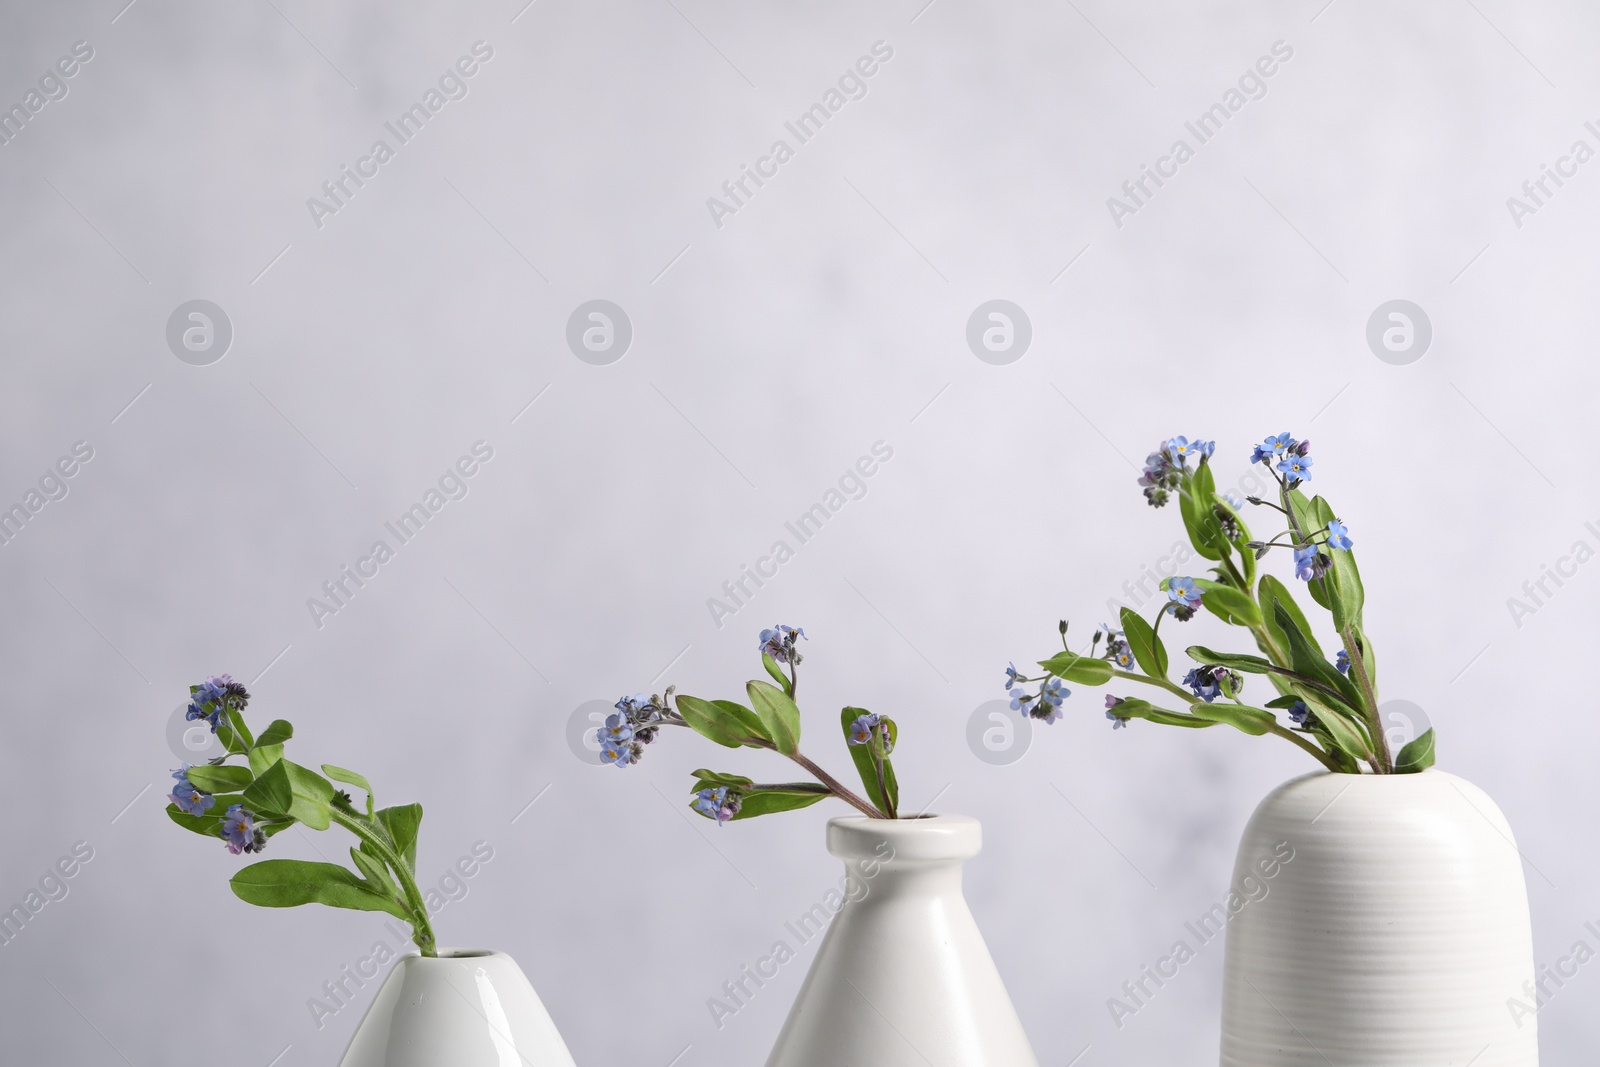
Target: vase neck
905	857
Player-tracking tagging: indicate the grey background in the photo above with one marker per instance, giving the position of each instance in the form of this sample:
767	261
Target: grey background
767	355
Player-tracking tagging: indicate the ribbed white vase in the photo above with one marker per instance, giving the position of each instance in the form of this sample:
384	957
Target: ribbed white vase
464	1008
903	977
1395	936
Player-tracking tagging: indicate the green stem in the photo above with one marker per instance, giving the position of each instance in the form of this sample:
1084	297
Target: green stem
1307	681
372	833
1323	757
1384	761
838	789
1186	696
1288	509
1233	572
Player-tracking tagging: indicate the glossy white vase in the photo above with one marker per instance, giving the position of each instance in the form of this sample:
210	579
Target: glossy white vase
464	1008
1396	935
903	977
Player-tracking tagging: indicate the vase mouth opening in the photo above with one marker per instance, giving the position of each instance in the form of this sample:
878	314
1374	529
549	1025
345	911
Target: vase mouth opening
464	953
1392	776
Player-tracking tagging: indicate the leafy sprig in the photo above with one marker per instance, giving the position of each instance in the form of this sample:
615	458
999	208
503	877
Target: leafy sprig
1331	709
770	721
251	793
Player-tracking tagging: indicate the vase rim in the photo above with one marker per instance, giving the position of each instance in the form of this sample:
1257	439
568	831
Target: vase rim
1428	772
931	836
931	821
446	954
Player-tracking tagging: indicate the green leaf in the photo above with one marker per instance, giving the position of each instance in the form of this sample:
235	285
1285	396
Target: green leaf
270	793
1309	662
1146	644
313	795
879	746
230	743
339	774
772	801
1231	605
749	725
373	870
866	767
1343	579
1307	521
1071	667
402	823
1352	595
728	724
1335	718
1232	660
1300	504
290	789
235	718
1135	708
290	883
199	824
1340	589
776	672
221	778
1417	755
277	732
1253	721
1273	592
711	779
208	824
779	717
263	757
1195	503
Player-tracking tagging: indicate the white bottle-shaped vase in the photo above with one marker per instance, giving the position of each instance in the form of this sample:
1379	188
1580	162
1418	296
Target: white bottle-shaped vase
463	1008
903	977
